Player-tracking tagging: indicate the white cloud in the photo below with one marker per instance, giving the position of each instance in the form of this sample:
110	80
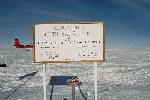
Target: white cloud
36	10
138	7
133	4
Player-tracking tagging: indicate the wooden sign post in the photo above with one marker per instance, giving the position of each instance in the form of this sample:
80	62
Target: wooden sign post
63	42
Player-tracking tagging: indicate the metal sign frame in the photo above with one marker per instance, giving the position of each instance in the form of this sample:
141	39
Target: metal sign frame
45	30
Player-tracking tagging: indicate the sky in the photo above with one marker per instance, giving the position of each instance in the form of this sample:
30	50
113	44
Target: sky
126	22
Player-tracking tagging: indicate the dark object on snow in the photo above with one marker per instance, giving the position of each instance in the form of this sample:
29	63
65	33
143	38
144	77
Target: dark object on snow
3	65
31	74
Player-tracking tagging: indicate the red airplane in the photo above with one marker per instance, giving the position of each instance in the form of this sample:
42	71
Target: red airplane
17	44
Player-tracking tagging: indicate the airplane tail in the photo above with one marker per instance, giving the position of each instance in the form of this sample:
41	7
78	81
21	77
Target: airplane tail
17	44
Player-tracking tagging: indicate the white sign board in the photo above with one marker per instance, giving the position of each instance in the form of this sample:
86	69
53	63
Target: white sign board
69	42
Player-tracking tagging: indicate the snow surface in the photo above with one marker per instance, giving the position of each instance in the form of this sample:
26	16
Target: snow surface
124	76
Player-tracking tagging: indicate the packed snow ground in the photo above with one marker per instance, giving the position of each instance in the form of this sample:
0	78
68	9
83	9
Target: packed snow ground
124	76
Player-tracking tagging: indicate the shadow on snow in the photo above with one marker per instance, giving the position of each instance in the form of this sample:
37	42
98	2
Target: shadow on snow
61	80
21	78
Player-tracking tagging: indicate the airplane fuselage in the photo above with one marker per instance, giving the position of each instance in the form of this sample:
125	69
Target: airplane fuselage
24	46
